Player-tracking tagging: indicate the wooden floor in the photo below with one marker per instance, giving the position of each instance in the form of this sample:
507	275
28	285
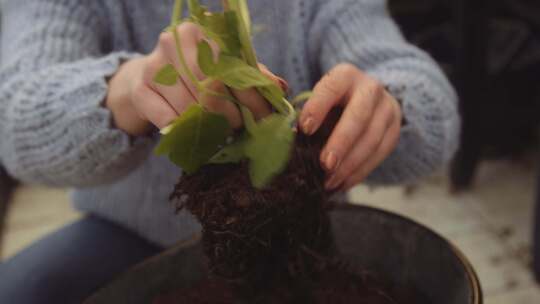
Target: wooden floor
491	224
35	212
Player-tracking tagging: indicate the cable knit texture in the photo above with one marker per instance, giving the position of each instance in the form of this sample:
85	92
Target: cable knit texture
56	57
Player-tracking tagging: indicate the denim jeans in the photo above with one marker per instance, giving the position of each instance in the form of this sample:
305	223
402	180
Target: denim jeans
71	264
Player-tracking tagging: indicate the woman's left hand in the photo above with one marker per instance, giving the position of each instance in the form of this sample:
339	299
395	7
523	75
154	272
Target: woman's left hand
367	131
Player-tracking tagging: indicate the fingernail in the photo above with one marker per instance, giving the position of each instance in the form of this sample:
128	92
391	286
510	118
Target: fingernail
308	126
331	161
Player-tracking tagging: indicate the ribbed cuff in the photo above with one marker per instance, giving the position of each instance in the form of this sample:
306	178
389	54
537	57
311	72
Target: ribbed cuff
67	137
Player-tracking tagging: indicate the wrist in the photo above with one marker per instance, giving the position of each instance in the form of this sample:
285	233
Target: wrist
118	101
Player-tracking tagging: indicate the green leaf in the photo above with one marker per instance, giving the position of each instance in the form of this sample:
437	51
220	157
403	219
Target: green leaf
237	74
233	153
205	58
167	76
196	10
222	28
275	96
195	137
269	149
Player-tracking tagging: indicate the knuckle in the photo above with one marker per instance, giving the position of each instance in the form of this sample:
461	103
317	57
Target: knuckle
328	87
149	71
360	156
139	91
359	115
349	166
390	112
166	40
152	61
348	69
184	28
387	109
188	29
375	89
344	140
356	161
398	114
340	175
396	107
372	145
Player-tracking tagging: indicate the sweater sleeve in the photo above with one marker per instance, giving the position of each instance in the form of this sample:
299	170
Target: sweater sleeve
361	32
54	128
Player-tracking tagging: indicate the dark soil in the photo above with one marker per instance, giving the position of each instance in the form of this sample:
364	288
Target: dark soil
272	245
257	237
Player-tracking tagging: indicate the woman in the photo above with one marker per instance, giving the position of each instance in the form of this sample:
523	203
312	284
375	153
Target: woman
78	108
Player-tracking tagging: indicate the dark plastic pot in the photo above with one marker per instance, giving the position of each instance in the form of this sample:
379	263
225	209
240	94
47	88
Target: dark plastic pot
405	252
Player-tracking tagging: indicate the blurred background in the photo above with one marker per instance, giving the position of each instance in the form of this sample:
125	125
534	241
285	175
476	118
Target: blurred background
486	202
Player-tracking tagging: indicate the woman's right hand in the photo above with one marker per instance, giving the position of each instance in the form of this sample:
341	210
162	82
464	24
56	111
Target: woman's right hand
137	102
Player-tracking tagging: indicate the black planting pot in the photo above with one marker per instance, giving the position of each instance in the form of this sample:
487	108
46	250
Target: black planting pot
397	248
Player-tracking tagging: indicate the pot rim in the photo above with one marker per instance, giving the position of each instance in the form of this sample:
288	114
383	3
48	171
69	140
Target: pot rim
476	296
472	277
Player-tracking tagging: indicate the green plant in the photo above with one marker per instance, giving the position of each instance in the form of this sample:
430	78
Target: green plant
199	137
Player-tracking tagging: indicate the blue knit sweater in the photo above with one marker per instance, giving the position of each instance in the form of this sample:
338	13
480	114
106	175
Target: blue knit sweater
57	55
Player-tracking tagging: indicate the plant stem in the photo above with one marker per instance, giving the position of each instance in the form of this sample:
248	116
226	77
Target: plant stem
178	12
302	97
175	21
247	47
241	9
292	112
248	51
187	71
